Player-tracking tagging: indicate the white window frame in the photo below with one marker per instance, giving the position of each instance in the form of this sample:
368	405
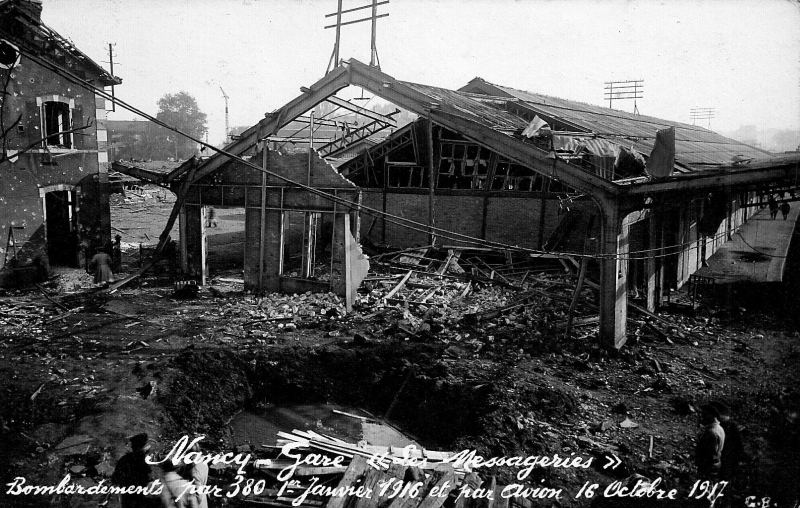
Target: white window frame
40	102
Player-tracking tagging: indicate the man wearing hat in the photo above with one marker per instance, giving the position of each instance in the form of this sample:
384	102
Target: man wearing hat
132	470
710	442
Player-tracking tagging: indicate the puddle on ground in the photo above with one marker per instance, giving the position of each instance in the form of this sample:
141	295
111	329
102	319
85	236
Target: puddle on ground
262	427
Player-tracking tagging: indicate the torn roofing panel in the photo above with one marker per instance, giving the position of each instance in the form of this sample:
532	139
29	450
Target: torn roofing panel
577	144
694	145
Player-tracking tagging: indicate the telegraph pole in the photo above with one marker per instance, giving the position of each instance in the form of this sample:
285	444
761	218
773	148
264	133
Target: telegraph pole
621	90
111	70
374	61
702	114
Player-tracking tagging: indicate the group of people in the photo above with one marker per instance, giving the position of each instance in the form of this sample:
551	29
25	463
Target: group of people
133	470
719	445
774	207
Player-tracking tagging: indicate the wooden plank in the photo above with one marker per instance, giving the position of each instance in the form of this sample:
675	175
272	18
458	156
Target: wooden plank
448	478
442	269
357	468
399	286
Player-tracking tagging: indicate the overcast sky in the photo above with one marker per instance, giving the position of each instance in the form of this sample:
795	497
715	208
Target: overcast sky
741	57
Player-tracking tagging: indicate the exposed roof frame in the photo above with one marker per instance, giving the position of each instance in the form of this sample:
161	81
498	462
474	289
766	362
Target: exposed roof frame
388	88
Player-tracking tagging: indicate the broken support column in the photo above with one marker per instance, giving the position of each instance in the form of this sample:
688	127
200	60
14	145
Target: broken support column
194	240
613	276
350	266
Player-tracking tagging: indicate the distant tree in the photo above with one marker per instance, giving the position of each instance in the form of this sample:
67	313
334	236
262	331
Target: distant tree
180	110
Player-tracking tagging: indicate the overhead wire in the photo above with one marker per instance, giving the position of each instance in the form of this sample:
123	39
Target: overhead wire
387	217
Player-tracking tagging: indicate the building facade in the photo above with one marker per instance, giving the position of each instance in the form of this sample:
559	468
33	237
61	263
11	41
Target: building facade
54	169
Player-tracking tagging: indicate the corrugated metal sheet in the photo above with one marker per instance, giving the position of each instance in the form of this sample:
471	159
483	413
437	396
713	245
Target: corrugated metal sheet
694	145
486	114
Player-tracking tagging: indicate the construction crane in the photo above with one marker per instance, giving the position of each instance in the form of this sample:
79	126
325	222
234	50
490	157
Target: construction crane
227	127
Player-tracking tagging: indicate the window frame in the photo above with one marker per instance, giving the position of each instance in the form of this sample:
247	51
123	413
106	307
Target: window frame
66	140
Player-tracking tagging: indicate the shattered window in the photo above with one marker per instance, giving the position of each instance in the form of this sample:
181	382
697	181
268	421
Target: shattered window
462	166
56	120
407	176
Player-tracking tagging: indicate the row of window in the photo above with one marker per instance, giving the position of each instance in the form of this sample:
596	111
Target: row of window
466	166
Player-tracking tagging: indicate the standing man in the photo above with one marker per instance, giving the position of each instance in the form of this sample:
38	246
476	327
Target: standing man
132	470
785	209
773	206
708	452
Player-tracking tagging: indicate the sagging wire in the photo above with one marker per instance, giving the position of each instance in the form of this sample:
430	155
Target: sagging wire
387	217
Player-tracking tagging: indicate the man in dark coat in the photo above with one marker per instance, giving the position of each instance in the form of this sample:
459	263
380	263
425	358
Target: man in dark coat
133	470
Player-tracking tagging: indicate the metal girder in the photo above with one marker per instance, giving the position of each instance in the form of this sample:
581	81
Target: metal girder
388	88
325	87
387	119
359	134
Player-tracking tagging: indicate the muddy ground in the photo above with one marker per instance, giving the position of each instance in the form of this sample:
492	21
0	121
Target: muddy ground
76	384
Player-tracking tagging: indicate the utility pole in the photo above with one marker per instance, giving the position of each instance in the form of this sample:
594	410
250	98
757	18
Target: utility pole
111	70
620	90
227	125
702	114
374	61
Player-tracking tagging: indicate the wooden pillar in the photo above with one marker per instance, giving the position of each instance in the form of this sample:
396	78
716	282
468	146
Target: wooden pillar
651	269
613	277
182	238
203	247
432	172
194	224
341	253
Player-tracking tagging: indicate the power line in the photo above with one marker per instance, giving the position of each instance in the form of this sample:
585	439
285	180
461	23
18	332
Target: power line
702	114
374	61
622	90
391	218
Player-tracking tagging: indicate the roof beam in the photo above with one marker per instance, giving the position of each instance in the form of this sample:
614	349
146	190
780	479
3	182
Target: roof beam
361	111
526	154
325	87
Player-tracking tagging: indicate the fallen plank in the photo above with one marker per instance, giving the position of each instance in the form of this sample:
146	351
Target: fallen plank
444	484
399	285
357	468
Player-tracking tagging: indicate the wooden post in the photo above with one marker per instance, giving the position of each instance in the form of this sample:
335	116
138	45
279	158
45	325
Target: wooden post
263	221
203	247
431	185
347	262
543	210
613	276
182	237
651	271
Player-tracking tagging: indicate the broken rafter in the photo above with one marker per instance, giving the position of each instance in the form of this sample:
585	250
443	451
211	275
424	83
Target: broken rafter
336	101
355	136
399	285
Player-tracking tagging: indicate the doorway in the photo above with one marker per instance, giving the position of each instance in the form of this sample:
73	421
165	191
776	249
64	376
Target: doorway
61	220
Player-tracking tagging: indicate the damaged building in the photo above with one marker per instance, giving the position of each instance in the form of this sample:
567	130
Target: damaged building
54	183
643	200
